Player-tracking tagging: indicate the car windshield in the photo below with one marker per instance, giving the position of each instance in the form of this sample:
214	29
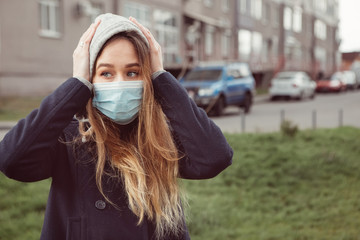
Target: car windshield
285	76
204	75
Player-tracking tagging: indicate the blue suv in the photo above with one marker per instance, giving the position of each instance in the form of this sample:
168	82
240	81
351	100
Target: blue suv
216	86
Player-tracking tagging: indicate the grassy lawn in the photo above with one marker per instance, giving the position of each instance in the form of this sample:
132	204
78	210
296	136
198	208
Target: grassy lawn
305	187
15	108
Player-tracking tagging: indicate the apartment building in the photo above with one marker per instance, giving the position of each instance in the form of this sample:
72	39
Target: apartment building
276	35
37	37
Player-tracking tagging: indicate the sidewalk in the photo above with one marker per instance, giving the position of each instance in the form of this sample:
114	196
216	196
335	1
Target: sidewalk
6	125
261	98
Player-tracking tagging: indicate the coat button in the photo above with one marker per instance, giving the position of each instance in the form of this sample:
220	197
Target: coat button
100	204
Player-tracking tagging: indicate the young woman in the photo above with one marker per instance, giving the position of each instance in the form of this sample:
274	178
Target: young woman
114	167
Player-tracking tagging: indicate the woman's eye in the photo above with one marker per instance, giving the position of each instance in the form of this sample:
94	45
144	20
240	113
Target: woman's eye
132	74
106	74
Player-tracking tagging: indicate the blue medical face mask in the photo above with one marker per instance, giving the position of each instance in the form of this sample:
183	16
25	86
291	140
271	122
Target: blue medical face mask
120	101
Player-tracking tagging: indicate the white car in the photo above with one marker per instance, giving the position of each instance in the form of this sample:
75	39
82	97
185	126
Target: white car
350	79
293	84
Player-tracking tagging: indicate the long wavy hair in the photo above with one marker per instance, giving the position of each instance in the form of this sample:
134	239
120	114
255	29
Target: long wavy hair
144	159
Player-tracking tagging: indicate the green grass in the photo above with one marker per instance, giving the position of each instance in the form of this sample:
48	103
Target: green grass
262	91
305	187
15	108
22	207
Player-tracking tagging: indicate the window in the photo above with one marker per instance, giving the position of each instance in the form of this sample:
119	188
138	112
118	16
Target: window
244	37
257	42
225	43
209	40
297	24
256	9
49	18
140	12
320	5
225	5
320	29
288	18
167	34
242	6
209	3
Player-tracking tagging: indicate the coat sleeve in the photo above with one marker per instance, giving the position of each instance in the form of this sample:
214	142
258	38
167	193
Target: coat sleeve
206	150
29	149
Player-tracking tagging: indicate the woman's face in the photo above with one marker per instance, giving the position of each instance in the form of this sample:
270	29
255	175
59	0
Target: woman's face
117	62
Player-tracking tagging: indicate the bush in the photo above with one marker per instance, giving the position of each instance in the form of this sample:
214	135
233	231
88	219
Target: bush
288	128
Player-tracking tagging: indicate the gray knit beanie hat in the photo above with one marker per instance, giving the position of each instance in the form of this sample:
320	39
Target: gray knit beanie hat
110	25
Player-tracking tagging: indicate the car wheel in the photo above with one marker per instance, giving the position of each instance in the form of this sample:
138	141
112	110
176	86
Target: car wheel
247	103
219	107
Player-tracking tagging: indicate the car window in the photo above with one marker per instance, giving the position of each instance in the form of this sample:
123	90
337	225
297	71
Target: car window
204	75
234	73
285	77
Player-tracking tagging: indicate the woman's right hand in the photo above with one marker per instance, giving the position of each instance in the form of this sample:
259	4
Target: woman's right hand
81	55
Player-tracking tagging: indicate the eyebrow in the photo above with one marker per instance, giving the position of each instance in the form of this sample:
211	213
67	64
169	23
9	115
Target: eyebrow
112	66
132	65
105	65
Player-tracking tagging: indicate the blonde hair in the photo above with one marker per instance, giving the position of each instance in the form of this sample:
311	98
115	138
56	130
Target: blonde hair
146	159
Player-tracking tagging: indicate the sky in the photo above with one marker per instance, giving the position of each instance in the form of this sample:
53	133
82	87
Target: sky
349	27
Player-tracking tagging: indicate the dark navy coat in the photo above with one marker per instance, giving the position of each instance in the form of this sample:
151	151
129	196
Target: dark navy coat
76	210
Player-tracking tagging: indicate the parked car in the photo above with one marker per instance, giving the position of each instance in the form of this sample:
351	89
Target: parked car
350	80
356	70
335	83
293	84
214	86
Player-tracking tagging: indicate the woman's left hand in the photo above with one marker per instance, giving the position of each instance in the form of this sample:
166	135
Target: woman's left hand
155	49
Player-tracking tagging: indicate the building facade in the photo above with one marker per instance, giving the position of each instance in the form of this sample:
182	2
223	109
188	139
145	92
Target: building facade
275	35
271	35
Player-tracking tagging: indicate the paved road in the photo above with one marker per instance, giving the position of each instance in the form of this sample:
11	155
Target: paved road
4	127
266	115
2	134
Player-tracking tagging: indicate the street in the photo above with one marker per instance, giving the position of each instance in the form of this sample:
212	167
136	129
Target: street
2	134
325	111
331	110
